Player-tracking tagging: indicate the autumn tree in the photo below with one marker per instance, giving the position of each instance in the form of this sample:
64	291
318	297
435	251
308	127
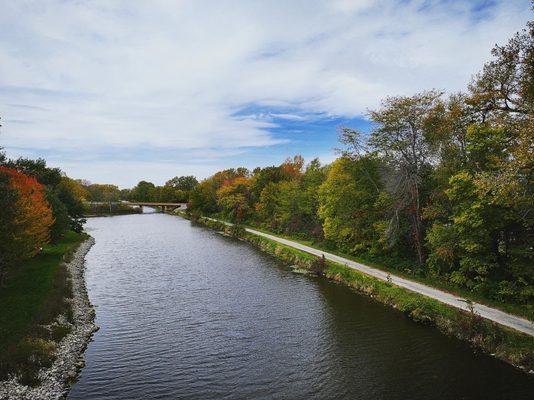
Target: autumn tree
402	138
506	83
30	225
234	198
353	211
65	196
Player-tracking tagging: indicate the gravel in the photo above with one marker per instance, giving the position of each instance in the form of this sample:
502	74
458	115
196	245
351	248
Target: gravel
57	379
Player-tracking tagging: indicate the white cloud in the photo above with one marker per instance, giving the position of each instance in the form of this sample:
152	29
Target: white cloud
82	76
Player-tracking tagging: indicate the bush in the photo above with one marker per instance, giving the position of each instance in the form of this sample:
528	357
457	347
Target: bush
59	331
319	266
236	231
26	358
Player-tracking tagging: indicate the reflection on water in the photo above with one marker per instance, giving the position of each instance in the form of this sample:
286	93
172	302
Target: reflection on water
188	314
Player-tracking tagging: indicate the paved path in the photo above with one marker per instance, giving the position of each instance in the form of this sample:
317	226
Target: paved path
500	317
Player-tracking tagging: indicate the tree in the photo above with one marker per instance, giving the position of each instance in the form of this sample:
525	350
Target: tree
506	84
234	198
402	136
72	195
143	191
351	208
37	169
203	198
63	194
32	218
265	176
103	192
480	233
293	167
8	212
183	183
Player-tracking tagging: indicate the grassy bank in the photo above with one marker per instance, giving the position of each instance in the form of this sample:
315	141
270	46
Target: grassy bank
35	295
511	346
391	265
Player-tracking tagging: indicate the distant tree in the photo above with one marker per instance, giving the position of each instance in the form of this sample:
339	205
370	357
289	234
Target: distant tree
293	167
103	192
143	191
72	195
203	198
125	194
289	202
184	183
268	175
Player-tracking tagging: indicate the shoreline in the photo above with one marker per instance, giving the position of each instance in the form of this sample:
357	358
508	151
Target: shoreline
56	380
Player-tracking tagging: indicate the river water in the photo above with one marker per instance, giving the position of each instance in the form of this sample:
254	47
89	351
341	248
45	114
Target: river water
185	313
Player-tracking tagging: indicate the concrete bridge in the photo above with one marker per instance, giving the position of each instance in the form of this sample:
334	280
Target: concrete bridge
164	206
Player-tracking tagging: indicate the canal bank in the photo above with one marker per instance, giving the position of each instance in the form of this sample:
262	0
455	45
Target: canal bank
463	322
56	350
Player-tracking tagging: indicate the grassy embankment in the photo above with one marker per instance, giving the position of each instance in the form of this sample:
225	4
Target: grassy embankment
506	344
402	268
35	295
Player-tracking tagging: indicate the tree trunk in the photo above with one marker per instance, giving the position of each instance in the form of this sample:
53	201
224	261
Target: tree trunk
417	228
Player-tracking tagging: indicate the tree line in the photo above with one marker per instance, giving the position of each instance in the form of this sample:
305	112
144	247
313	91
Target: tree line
441	186
175	190
38	204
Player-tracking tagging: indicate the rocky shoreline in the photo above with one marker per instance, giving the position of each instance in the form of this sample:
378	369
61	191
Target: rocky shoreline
56	380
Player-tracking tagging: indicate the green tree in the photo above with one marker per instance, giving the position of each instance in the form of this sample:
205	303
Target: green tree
183	183
143	191
234	199
351	207
8	211
405	126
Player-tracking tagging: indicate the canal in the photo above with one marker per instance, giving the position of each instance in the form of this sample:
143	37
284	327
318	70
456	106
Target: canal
185	313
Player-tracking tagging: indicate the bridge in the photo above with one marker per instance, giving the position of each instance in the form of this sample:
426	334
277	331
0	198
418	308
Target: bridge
164	206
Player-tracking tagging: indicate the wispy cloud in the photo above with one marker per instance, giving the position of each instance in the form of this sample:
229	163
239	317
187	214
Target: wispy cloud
135	77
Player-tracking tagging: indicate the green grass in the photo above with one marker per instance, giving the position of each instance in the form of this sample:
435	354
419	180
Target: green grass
35	294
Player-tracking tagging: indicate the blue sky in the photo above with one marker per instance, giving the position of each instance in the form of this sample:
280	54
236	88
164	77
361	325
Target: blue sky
119	91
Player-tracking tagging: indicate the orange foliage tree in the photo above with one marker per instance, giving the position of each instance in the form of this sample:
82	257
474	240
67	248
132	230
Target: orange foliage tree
30	226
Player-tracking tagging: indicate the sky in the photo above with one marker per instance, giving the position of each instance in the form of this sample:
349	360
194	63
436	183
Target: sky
120	91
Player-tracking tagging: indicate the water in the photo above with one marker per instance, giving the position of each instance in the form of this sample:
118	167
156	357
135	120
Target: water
185	313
